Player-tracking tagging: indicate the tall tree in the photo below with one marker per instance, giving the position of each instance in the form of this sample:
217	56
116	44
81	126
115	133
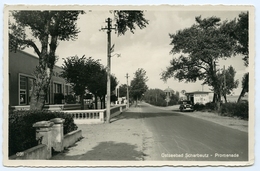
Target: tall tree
228	82
241	35
122	90
80	72
138	85
200	47
46	27
98	85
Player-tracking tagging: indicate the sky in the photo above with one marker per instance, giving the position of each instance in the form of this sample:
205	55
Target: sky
148	48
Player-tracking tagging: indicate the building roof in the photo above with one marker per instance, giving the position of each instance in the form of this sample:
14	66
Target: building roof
168	90
199	92
33	56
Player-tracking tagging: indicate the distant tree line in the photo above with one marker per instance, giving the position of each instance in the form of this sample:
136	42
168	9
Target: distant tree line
157	97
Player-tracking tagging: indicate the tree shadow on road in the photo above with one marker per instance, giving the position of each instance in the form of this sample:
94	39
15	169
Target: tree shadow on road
105	151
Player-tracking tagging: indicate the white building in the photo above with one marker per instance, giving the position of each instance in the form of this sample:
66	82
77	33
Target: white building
201	97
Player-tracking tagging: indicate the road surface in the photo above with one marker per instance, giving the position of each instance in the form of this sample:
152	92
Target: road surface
173	136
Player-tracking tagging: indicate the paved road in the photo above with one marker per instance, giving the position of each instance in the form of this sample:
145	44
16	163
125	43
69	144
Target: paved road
174	136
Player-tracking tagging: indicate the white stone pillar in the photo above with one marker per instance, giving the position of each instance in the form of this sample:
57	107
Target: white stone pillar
44	133
57	134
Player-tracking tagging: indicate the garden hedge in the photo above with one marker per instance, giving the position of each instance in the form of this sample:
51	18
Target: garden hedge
22	135
235	109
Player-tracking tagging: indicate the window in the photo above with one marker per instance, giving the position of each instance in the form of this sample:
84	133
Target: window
26	88
58	96
23	90
66	92
57	88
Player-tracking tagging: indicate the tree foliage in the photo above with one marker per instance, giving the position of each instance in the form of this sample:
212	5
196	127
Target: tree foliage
87	74
46	27
98	85
157	97
227	80
138	85
123	90
200	47
80	72
241	35
128	20
242	47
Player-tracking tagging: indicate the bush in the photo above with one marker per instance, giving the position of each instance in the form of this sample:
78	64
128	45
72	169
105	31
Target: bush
199	107
70	99
22	135
235	109
210	106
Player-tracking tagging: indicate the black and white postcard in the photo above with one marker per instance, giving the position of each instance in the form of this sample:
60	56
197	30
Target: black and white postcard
125	86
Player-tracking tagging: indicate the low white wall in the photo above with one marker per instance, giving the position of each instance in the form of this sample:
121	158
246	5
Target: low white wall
87	116
71	138
38	152
94	116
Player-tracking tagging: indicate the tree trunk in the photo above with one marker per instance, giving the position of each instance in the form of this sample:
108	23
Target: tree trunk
82	101
40	87
218	102
225	97
245	85
44	70
96	103
37	99
214	98
241	94
101	103
104	101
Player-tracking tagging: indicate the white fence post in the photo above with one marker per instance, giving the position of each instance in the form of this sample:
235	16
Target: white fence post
101	116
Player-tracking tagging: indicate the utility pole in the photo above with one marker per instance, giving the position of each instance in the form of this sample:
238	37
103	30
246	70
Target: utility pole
118	95
108	28
224	76
224	88
127	91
